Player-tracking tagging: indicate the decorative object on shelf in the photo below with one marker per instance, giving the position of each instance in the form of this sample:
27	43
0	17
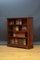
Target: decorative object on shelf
11	23
24	42
16	41
20	22
12	41
14	35
17	28
24	28
17	22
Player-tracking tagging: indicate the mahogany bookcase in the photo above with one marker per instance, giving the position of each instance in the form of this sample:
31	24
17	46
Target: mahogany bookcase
20	32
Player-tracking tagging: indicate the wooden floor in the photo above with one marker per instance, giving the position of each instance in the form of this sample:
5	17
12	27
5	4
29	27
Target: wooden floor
9	53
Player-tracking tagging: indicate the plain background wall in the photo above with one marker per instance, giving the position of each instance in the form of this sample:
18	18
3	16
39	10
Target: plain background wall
19	8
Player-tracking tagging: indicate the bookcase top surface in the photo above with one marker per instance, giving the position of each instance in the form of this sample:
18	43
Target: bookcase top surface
19	17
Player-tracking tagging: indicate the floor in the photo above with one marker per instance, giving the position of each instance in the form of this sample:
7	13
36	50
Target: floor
9	53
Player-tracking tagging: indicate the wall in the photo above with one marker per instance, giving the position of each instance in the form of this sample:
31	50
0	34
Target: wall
19	8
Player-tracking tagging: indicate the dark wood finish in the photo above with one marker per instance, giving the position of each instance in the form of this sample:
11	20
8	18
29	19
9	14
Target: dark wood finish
20	32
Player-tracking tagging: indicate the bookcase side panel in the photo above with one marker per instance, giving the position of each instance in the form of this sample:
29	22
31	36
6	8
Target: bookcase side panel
30	32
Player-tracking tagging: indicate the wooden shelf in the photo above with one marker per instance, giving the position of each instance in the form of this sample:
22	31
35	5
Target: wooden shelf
21	30
17	25
17	31
17	37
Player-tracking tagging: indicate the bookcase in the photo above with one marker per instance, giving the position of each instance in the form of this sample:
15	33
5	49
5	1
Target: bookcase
20	32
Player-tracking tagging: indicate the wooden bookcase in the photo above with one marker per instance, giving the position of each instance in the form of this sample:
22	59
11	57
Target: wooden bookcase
20	32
